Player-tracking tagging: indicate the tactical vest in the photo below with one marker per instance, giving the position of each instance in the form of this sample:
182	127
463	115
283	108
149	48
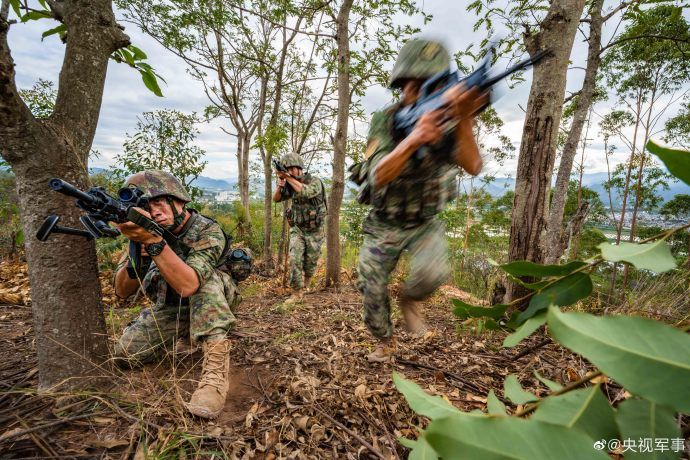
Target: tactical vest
308	213
420	192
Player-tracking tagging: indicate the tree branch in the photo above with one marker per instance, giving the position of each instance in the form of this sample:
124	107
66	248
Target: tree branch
15	116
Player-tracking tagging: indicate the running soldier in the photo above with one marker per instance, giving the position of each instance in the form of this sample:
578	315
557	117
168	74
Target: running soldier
407	194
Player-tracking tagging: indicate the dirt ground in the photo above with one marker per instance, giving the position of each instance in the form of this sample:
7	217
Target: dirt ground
300	383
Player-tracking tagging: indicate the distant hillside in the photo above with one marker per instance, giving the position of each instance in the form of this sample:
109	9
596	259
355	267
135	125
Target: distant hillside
594	181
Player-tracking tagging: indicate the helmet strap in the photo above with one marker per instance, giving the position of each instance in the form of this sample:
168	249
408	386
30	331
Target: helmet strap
178	218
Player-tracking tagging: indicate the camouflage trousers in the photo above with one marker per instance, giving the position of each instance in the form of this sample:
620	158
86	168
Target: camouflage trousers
305	249
383	244
207	314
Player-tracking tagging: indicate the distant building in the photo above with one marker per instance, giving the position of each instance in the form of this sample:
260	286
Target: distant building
226	196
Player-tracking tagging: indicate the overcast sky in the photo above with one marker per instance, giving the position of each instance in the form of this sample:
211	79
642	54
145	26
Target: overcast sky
126	97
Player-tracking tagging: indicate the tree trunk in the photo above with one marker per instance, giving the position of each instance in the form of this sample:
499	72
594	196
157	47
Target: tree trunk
65	291
584	102
538	146
339	145
268	217
243	180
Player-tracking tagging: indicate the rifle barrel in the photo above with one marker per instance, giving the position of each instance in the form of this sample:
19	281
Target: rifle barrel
68	189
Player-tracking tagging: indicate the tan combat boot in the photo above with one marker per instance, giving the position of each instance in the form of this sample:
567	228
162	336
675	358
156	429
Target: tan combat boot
384	352
209	398
414	321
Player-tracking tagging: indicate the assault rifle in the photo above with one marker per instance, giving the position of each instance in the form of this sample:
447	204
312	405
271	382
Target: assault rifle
432	90
101	208
286	191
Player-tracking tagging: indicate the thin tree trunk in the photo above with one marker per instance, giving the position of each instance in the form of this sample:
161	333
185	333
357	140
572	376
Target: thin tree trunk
584	102
538	146
339	146
65	290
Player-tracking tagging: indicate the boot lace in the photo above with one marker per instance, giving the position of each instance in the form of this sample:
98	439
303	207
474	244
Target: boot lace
214	368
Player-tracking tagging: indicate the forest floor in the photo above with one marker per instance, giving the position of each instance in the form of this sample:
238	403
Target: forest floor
300	383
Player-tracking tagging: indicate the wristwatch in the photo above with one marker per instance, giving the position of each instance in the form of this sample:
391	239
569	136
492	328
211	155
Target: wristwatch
155	249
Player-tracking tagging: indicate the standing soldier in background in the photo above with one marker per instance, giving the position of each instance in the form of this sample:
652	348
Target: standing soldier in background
306	217
407	194
190	295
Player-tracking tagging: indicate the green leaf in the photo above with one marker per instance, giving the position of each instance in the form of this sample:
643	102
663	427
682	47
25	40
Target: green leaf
494	405
513	391
421	449
421	402
525	330
501	438
464	310
137	53
36	15
649	256
639	418
151	83
55	30
550	384
565	291
127	56
524	268
16	7
676	161
647	357
586	409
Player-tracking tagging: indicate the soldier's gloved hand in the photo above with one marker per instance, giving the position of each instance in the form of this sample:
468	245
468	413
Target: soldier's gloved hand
464	104
133	232
282	175
427	130
281	182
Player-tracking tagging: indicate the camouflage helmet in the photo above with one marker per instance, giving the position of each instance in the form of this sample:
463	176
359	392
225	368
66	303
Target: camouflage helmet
292	159
419	59
155	183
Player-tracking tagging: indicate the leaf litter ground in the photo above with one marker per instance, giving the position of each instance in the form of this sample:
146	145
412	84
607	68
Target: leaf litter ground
300	385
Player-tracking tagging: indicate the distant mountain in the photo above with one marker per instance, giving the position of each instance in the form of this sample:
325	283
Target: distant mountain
206	183
594	181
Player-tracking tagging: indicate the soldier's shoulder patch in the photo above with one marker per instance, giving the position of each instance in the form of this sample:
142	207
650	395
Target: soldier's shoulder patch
372	145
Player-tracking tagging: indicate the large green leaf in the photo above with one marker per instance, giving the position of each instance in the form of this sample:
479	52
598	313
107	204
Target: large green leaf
525	330
464	310
524	268
421	449
494	405
501	438
647	357
563	292
638	419
655	256
421	402
586	409
677	161
513	391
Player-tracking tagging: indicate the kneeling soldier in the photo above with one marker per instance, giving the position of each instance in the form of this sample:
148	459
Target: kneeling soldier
190	295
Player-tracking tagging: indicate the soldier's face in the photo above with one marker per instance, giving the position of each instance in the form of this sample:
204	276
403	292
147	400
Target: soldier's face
410	91
295	171
161	212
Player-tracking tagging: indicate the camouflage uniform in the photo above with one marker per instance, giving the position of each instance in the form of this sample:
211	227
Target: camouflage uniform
307	230
206	314
404	214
